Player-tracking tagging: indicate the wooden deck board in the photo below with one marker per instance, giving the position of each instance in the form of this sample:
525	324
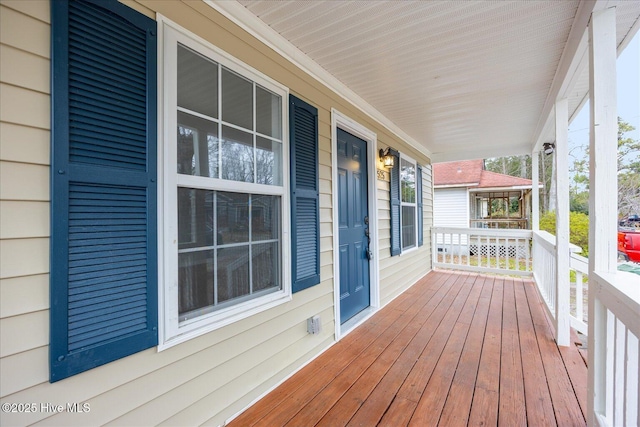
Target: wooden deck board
455	349
464	381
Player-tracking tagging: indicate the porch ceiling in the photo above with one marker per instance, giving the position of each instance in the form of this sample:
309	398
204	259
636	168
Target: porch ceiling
458	79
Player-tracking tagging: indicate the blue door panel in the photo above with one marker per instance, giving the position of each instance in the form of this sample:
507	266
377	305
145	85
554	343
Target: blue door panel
352	211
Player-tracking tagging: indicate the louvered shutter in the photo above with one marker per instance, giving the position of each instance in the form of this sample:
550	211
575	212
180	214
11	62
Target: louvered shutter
419	197
305	221
103	174
394	199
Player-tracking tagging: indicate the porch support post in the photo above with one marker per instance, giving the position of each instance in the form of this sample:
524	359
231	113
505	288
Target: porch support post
603	192
563	322
535	191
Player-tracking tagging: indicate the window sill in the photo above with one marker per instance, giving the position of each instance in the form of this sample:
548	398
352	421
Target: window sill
223	319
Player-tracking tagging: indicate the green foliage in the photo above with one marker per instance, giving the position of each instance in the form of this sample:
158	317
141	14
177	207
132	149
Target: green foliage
578	228
579	201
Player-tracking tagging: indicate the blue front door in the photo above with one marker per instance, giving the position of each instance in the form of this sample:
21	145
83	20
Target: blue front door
353	218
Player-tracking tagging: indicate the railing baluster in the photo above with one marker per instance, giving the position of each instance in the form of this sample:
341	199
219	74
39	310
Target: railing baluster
579	296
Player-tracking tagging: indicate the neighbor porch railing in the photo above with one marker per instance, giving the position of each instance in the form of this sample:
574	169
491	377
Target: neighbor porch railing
482	250
500	223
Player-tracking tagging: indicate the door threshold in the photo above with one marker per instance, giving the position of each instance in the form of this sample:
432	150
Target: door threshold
356	321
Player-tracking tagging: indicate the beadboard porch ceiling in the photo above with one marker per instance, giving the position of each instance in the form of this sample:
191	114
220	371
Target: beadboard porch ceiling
458	79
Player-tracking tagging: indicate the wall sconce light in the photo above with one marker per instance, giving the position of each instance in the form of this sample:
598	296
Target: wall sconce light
387	157
548	147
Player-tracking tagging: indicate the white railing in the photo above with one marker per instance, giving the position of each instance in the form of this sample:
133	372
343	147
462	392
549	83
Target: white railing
482	250
544	274
580	266
614	310
544	269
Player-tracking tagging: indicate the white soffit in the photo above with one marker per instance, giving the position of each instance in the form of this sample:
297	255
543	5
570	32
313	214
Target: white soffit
463	79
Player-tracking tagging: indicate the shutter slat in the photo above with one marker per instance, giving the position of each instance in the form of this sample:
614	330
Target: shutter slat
305	229
394	202
419	197
104	254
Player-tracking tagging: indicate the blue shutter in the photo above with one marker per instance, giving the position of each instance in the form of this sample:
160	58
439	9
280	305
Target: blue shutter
394	198
419	197
305	216
103	185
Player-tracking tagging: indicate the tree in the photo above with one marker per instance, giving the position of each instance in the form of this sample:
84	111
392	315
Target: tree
578	228
628	175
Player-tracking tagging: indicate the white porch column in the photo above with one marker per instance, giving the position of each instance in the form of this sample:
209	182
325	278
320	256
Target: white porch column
535	191
603	191
563	322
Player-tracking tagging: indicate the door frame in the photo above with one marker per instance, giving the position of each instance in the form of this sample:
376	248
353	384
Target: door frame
341	121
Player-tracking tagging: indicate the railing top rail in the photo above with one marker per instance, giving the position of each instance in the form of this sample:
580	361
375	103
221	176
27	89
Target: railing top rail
579	263
491	232
624	291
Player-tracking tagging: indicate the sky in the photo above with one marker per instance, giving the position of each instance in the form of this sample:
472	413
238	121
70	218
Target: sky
628	75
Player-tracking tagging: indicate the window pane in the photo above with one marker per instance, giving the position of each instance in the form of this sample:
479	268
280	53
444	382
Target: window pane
408	227
237	100
233	218
265	218
233	273
237	155
408	181
197	146
265	265
268	113
268	161
197	83
195	218
195	281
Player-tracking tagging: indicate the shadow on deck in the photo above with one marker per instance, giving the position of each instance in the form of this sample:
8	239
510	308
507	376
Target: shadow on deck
454	349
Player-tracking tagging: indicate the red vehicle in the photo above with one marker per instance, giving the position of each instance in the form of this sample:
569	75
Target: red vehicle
629	244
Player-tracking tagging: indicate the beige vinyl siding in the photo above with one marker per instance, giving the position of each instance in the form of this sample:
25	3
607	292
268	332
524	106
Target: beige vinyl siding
207	379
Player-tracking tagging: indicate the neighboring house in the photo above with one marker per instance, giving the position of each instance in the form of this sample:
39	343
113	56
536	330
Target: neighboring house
467	195
206	199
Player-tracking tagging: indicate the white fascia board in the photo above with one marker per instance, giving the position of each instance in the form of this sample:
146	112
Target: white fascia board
455	186
246	20
515	187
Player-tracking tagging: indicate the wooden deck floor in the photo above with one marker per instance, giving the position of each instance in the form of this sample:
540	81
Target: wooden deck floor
456	349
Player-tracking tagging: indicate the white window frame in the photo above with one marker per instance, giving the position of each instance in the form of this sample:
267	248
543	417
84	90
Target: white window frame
403	203
172	332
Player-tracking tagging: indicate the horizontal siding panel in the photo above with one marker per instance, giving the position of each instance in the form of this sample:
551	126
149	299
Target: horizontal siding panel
23	257
324	172
325	186
20	219
22	371
35	9
20	68
24	32
20	181
326	201
326	229
276	356
176	386
326	258
13	338
24	107
24	144
21	295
